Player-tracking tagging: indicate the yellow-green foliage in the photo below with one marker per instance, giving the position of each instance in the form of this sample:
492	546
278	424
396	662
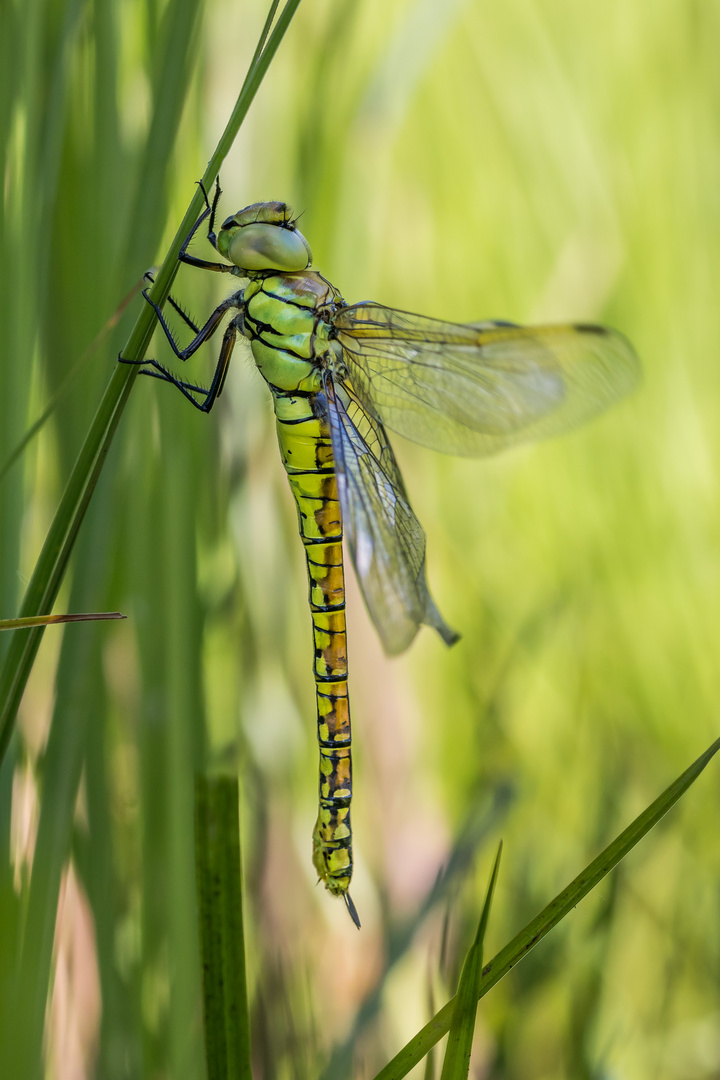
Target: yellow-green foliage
536	160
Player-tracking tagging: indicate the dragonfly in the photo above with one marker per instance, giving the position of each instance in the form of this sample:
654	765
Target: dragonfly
340	375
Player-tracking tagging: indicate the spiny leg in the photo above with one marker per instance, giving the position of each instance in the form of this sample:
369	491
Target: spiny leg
208	396
174	304
161	372
209	211
186	389
213	210
201	335
206	332
154	368
226	350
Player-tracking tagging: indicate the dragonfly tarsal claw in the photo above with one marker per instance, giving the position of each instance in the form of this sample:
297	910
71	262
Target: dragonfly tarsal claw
210	209
216	197
146	294
202	187
132	363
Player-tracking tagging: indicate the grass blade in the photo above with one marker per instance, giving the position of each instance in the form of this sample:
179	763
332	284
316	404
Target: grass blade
219	883
265	31
456	1065
52	620
550	916
52	563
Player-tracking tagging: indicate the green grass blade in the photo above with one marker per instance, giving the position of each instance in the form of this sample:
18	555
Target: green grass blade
549	917
79	695
456	1065
250	87
183	721
265	31
52	563
53	620
219	883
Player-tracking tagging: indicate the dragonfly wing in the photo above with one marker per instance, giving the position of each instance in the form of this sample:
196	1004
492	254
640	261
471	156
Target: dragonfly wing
385	539
474	390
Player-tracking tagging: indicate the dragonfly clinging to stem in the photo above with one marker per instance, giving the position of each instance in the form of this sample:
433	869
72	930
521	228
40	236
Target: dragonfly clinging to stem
339	375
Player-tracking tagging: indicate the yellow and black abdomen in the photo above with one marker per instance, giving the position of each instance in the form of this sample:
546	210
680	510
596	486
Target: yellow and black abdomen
306	449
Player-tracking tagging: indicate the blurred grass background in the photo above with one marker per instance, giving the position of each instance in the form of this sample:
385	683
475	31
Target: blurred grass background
530	161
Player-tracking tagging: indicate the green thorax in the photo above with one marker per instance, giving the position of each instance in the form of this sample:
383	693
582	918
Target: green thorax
286	320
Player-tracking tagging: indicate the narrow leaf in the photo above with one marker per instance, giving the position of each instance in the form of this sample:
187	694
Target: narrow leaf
456	1065
52	562
550	916
51	620
219	883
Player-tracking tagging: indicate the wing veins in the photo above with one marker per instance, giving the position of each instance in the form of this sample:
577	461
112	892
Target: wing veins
386	541
464	390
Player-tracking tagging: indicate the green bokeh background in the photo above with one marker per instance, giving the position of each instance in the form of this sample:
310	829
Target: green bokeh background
532	161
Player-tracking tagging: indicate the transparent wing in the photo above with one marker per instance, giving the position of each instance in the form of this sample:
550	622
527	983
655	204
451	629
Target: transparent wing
385	539
474	390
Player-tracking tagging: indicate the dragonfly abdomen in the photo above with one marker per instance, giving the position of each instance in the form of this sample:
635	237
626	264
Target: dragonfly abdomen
306	451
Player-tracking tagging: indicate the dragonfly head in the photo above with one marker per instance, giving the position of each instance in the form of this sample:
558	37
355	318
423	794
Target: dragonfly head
264	237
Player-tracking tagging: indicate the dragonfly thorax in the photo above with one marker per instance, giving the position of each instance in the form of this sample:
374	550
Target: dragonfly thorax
284	319
264	237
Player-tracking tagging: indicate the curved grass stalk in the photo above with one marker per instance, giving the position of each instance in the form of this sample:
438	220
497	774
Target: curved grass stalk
52	562
549	917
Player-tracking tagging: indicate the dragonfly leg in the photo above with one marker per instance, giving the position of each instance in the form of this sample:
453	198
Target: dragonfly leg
202	187
192	260
207	395
174	304
203	264
213	210
209	211
226	350
203	217
155	370
206	332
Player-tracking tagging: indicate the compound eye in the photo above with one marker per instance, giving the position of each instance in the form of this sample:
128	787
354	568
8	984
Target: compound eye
268	247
